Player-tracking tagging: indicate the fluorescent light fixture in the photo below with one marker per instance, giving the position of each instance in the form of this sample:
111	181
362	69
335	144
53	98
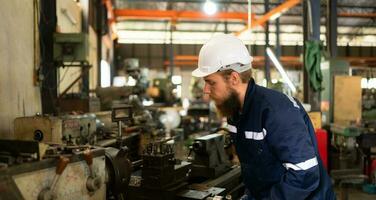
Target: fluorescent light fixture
210	8
280	69
119	81
105	74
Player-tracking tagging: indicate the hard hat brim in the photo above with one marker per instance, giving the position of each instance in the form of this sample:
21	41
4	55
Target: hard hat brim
199	74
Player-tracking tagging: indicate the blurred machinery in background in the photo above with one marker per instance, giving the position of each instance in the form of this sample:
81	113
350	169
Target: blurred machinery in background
197	88
68	129
356	157
71	50
201	116
162	92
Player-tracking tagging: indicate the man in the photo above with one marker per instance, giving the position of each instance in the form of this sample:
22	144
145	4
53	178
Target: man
273	135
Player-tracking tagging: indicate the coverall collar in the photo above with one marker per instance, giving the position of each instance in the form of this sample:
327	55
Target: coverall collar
248	99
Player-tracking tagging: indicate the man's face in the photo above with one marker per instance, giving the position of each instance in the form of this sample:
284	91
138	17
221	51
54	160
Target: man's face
221	92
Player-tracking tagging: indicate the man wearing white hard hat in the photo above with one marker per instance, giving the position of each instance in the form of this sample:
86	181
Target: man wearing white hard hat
273	135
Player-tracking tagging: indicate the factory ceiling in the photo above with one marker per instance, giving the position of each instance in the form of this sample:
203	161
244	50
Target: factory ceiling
155	21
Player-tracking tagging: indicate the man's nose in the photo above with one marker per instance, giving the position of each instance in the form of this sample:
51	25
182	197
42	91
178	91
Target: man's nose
206	89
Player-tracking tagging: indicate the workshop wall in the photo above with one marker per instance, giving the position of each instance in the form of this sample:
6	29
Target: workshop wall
19	96
69	20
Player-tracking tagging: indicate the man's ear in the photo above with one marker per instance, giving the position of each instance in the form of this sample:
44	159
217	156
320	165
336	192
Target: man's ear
235	78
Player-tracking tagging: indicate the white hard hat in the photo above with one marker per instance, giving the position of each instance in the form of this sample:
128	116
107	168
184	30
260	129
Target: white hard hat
221	52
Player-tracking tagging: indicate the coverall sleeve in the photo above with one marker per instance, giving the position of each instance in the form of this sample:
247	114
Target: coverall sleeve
290	141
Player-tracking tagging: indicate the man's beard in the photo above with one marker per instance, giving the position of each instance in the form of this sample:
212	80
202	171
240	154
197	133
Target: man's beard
230	105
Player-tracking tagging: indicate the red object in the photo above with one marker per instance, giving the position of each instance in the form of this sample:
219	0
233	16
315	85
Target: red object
322	144
373	166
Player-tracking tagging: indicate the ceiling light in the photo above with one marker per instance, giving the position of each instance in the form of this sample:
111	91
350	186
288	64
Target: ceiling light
210	8
279	67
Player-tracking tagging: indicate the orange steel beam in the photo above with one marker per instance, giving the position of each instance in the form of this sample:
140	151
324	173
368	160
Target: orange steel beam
289	61
176	15
279	10
258	61
255	58
359	15
274	13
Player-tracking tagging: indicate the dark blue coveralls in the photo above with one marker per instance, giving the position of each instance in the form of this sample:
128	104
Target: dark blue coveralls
276	145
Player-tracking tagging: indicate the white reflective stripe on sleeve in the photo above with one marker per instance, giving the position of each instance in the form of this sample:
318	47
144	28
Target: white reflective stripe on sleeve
303	165
255	135
232	128
293	101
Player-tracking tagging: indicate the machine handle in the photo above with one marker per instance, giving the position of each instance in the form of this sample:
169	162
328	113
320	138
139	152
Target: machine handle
88	156
63	162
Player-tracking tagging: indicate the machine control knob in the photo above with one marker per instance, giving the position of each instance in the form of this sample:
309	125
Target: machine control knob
93	183
46	194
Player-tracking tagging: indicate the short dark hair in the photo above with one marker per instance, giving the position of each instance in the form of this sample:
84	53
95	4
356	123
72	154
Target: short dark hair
244	76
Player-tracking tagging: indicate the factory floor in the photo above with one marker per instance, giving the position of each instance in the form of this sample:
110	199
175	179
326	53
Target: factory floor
355	194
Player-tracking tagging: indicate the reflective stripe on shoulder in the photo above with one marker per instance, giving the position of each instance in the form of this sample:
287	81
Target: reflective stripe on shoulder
303	165
293	101
232	128
255	135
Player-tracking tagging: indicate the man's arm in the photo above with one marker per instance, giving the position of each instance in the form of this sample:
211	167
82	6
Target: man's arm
290	141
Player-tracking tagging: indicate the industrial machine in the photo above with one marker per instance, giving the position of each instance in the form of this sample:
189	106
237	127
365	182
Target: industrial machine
68	129
71	50
209	159
32	170
354	143
64	173
161	176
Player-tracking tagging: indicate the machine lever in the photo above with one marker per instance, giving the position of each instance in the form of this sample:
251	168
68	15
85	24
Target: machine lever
48	192
93	182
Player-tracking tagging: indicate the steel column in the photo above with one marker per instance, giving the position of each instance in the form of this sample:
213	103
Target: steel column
331	27
267	61
47	23
311	31
277	36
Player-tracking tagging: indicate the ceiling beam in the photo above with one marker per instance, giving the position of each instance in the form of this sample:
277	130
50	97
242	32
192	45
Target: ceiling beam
177	15
270	32
203	21
274	13
243	2
357	15
287	61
